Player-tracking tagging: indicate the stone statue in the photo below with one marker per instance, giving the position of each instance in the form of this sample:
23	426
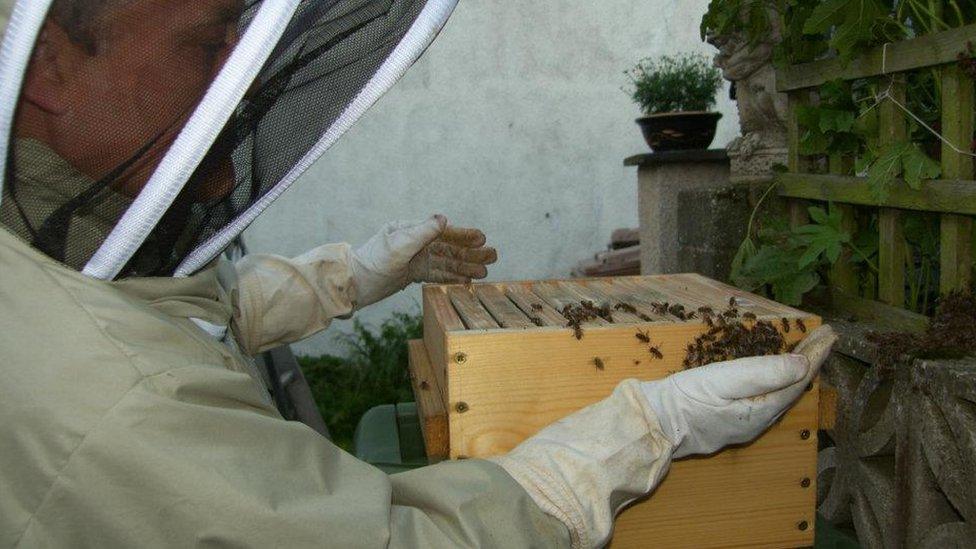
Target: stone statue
762	110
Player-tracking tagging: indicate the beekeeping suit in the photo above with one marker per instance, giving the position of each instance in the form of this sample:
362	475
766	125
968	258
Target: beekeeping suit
137	139
5	7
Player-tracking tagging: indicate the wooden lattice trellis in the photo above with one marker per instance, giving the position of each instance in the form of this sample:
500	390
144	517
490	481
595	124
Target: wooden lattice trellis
902	465
953	196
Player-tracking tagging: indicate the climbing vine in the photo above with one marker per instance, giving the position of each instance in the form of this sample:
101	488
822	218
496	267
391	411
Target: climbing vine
811	28
843	123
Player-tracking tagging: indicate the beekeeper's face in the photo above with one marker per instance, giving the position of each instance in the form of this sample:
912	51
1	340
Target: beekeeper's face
100	92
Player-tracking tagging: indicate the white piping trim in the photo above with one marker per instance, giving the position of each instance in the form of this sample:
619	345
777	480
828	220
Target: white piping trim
23	28
216	107
429	22
215	331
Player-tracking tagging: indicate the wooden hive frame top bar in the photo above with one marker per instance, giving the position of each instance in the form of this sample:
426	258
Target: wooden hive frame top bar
537	305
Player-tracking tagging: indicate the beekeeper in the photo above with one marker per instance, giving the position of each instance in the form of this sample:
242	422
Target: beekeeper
138	138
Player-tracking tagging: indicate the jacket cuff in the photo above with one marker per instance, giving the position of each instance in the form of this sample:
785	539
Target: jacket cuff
285	300
586	467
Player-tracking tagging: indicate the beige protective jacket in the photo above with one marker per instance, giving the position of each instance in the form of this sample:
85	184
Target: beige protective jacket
123	424
6	6
276	300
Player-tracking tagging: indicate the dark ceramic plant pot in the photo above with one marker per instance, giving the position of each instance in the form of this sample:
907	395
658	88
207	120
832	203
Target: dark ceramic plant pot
678	131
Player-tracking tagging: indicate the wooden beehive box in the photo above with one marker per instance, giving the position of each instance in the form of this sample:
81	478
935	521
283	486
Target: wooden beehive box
498	363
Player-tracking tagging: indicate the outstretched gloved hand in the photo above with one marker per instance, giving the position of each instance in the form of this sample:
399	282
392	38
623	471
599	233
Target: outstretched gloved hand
705	409
426	251
584	468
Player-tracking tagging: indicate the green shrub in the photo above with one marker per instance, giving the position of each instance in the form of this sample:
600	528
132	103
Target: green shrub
374	372
686	82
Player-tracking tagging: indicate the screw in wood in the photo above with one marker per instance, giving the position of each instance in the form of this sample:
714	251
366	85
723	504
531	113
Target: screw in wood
460	358
461	407
805	483
803	525
805	434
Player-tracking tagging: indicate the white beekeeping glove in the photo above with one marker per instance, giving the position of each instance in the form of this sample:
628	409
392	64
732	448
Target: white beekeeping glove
584	468
708	408
426	251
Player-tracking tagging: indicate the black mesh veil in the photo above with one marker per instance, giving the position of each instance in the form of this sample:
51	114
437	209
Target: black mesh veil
99	110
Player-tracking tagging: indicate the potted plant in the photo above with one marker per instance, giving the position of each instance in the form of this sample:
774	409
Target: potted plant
676	94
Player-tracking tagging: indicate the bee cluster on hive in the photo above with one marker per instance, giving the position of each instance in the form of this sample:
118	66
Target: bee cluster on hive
730	334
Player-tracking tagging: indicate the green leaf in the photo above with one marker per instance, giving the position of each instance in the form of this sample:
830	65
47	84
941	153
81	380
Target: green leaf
770	263
866	124
857	27
759	24
922	231
836	120
745	252
901	158
824	16
790	290
809	257
818	214
833	252
777	267
835	93
866	242
824	238
884	170
852	20
808	116
863	163
813	142
917	166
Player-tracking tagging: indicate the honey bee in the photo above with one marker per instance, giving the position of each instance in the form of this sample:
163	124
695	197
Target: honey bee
709	322
536	306
706	311
786	324
642	337
626	307
577	331
749	316
598	362
732	302
656	352
801	325
424	385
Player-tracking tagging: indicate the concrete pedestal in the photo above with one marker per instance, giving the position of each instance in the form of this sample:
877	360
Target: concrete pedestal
692	219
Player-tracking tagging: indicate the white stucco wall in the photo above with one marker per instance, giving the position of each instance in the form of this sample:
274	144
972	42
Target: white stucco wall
513	122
